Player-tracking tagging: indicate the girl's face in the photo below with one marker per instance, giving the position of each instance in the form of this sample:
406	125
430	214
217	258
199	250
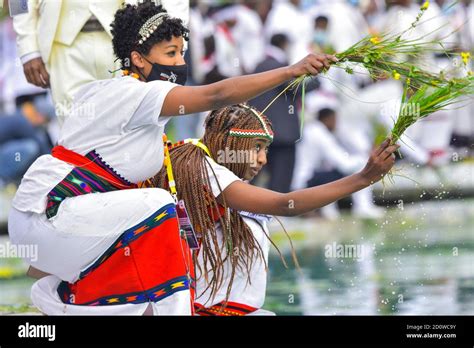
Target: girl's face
259	158
165	53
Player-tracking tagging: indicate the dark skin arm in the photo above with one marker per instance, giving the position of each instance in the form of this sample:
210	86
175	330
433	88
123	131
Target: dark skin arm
242	196
187	100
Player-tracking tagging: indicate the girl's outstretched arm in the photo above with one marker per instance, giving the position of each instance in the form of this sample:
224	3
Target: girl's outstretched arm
242	196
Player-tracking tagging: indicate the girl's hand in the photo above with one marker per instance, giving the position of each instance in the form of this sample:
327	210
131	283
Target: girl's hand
380	162
312	64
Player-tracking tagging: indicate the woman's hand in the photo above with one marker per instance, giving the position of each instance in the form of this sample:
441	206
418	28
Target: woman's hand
380	162
312	64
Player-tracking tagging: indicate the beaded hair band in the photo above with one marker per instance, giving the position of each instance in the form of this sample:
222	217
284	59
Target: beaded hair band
253	133
150	26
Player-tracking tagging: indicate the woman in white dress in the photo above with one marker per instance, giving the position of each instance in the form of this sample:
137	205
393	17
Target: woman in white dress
109	247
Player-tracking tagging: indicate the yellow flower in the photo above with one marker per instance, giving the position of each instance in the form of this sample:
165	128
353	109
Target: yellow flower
375	40
470	73
465	57
425	5
395	75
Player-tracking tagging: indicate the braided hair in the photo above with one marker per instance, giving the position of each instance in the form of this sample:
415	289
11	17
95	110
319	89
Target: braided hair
126	26
190	167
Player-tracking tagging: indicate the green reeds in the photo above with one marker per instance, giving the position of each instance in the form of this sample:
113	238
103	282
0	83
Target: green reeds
428	92
420	102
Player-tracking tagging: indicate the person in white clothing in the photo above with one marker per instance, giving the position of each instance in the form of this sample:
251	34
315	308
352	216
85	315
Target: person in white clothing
287	18
321	159
119	250
249	35
66	44
346	23
228	59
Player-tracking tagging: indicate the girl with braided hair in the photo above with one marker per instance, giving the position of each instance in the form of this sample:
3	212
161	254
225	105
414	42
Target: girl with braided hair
229	215
109	247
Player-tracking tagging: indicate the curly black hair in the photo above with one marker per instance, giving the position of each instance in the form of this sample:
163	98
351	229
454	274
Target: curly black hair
127	23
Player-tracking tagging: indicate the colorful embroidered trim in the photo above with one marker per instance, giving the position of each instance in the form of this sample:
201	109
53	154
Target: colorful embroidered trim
149	262
163	214
97	159
248	133
92	175
253	133
154	294
232	309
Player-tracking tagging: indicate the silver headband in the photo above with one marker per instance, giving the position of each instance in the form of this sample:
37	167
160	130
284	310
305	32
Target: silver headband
150	26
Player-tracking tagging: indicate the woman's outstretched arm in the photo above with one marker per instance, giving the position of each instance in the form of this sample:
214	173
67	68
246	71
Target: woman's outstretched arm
242	196
183	100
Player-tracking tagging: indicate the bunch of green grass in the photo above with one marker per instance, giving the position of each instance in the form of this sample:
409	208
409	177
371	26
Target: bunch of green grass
377	55
429	92
380	55
420	102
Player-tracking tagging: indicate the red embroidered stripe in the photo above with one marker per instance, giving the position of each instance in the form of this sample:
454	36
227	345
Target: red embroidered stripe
232	309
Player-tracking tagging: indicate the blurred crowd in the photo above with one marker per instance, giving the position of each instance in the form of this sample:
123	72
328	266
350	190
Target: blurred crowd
343	113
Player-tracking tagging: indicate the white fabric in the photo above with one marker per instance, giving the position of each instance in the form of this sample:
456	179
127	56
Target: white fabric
44	295
75	13
30	56
319	150
248	33
251	294
346	24
377	103
90	58
199	28
83	229
286	18
227	53
175	8
119	118
219	177
226	14
399	18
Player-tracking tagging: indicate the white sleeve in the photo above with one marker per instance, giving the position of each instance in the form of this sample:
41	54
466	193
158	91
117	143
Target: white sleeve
219	176
25	26
30	56
149	110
